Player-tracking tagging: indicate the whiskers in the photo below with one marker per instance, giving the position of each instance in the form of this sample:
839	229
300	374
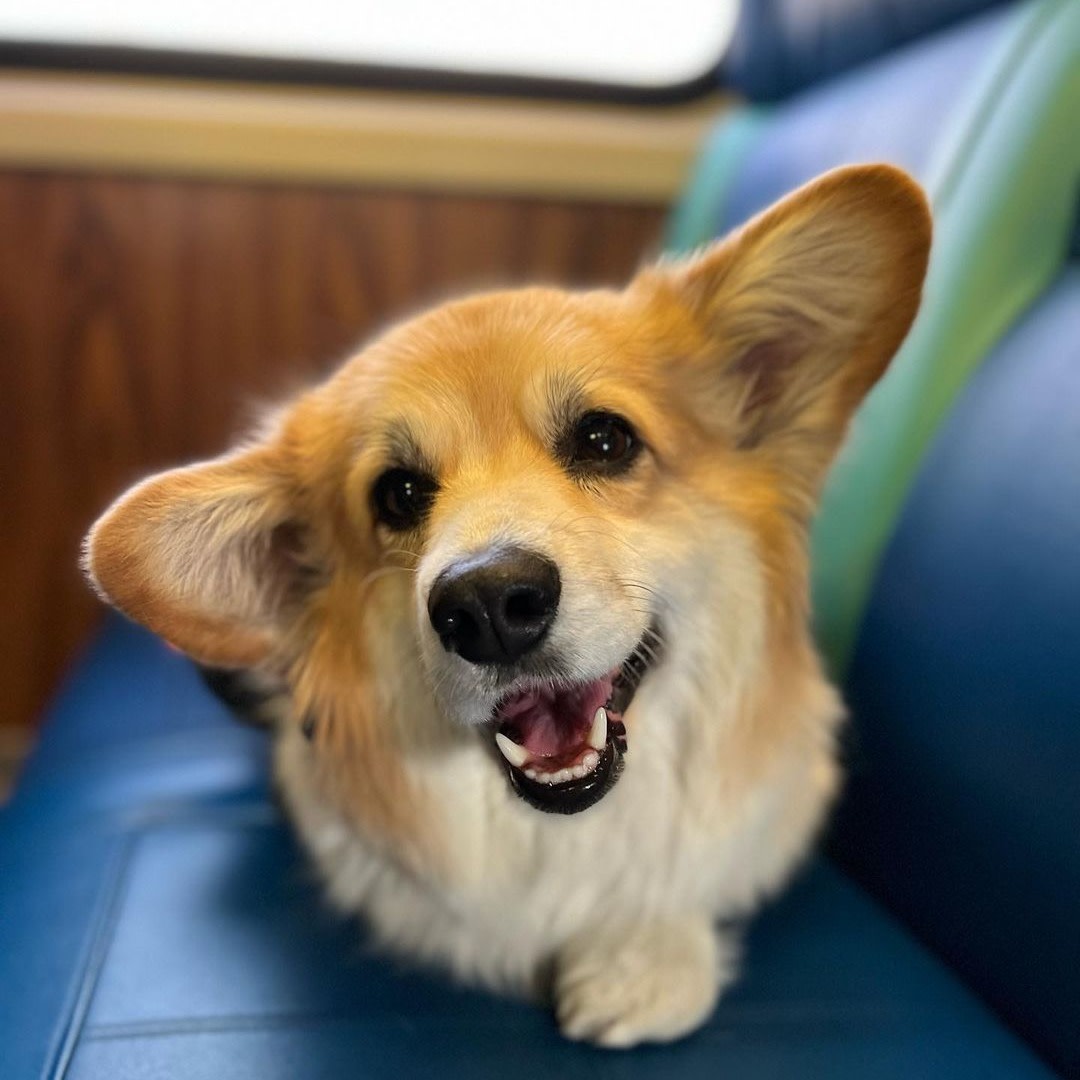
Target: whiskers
380	572
601	528
403	553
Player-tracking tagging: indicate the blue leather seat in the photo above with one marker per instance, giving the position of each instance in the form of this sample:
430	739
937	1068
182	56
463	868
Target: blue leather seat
156	919
782	46
963	809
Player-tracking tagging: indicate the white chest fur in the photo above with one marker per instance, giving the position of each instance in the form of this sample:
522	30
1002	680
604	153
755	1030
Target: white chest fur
681	833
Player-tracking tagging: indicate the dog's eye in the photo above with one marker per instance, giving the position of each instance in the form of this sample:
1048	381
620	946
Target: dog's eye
402	498
602	441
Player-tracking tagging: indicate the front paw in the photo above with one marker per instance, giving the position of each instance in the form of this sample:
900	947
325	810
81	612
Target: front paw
619	986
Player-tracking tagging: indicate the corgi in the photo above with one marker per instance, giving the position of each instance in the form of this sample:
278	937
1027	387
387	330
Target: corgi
525	584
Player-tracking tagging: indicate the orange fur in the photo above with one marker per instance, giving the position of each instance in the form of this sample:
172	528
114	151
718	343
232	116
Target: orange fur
739	369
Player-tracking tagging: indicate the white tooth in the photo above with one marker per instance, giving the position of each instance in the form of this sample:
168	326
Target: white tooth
532	774
589	761
598	734
551	778
577	772
516	755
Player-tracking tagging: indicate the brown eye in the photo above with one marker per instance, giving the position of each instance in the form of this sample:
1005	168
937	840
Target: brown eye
602	442
402	498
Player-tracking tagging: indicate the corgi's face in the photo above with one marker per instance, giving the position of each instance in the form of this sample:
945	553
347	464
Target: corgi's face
519	492
508	513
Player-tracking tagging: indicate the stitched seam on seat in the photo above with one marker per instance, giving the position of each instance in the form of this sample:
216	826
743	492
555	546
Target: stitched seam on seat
794	1016
247	813
92	960
220	1025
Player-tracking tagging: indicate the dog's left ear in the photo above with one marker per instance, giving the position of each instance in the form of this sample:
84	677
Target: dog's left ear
798	314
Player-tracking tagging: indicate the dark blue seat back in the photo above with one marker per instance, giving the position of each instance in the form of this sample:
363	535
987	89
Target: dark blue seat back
963	805
895	110
781	46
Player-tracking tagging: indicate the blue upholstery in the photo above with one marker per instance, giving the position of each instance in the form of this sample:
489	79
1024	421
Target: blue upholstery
125	731
896	110
964	807
172	930
781	46
125	674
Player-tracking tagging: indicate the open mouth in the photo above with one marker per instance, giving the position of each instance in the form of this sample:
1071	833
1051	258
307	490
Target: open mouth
564	746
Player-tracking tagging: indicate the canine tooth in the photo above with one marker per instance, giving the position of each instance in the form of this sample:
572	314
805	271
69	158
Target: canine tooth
516	755
590	761
598	733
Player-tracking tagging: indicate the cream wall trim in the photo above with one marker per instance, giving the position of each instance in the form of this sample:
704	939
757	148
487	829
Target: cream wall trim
227	130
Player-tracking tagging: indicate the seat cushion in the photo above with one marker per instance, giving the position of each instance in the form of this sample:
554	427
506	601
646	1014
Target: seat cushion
133	727
166	925
126	690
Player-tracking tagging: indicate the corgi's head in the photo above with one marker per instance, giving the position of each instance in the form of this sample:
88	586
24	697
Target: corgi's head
508	513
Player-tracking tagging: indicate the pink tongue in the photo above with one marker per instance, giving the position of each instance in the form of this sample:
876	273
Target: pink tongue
549	723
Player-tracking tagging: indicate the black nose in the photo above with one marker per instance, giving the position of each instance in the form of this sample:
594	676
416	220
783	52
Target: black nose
494	607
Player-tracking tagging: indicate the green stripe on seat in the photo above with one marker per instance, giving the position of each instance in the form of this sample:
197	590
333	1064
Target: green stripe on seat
694	219
1004	188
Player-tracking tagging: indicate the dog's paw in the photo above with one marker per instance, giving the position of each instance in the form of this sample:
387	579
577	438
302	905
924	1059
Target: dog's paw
617	987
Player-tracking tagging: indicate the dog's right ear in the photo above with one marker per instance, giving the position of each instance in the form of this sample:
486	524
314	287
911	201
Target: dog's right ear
800	312
206	556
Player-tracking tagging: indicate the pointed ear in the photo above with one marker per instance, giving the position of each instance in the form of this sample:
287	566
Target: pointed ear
802	310
206	557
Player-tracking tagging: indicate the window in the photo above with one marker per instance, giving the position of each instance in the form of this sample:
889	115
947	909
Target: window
645	47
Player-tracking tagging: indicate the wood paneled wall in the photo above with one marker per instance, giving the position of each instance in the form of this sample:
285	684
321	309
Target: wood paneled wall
142	321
